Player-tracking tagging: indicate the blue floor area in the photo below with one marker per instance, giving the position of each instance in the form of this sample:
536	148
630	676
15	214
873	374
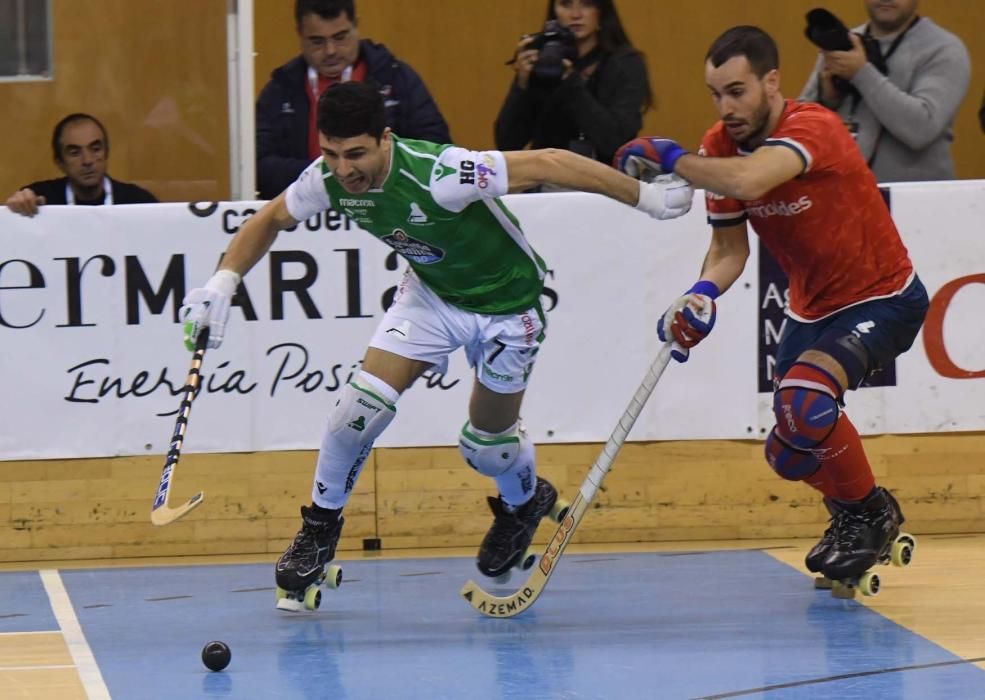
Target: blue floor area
24	604
661	625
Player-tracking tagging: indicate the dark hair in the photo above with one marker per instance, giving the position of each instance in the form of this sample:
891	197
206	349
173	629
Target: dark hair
752	42
351	109
612	35
56	136
326	9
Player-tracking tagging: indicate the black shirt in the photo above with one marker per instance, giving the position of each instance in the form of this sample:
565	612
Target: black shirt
593	115
53	192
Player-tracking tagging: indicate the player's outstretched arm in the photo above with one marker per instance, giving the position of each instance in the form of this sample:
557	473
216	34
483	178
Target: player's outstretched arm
555	166
257	235
208	306
664	199
741	177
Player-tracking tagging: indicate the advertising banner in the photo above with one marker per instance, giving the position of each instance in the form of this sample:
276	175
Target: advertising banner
93	361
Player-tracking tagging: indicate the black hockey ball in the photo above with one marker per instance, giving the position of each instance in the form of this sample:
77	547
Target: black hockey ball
216	656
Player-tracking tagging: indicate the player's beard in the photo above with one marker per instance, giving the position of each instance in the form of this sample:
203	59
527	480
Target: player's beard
758	125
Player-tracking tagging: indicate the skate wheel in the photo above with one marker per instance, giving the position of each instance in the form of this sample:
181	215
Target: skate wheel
560	510
312	598
333	576
907	539
504	577
869	583
902	553
528	559
823	583
281	593
902	550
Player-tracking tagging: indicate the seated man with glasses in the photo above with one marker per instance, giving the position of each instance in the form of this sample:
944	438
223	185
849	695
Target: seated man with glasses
332	52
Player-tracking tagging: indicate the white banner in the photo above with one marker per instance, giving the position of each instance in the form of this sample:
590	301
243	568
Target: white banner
93	363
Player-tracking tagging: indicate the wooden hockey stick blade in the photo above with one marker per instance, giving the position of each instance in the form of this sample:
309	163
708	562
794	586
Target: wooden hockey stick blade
520	600
517	602
164	515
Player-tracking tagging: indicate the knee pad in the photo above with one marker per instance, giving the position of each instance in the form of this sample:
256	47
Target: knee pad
805	416
787	462
849	351
495	455
359	416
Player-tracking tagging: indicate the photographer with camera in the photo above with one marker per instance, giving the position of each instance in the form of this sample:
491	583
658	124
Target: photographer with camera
580	85
896	82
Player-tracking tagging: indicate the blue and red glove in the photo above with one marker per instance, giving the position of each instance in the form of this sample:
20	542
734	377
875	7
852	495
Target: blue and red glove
689	319
648	155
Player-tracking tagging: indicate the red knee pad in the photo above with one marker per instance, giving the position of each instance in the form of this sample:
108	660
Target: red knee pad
806	406
787	462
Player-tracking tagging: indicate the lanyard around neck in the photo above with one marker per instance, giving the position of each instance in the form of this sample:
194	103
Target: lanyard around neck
896	42
107	189
313	79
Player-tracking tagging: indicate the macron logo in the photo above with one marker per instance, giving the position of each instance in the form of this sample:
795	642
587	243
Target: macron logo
763	211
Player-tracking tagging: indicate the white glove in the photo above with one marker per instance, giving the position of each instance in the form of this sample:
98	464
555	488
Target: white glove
208	307
666	197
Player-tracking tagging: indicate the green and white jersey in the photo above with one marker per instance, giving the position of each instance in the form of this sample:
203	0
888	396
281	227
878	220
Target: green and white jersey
439	208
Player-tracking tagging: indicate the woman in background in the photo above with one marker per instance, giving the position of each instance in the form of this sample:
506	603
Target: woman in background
592	100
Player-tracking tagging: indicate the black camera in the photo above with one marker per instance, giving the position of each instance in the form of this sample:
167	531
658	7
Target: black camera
555	44
829	33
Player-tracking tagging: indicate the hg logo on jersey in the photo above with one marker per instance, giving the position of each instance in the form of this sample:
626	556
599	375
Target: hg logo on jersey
413	249
780	208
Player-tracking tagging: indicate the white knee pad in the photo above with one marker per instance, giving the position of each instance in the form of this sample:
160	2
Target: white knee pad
359	416
495	455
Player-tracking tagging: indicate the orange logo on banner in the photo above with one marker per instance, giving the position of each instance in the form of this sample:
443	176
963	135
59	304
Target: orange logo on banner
933	330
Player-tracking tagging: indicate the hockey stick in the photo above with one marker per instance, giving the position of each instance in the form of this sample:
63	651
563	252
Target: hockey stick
161	513
496	606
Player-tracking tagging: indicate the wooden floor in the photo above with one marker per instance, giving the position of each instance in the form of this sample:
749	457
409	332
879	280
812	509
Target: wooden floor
37	665
938	597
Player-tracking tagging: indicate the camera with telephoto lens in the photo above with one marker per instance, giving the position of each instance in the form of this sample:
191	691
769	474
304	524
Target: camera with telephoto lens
829	33
555	44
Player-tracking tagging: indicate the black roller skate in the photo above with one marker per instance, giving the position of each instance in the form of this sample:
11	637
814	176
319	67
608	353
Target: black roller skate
507	544
868	533
819	552
302	568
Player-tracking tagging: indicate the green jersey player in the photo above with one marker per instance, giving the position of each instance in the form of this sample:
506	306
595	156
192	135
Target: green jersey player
473	281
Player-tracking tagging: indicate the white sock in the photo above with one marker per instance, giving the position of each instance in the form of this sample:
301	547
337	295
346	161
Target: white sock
339	465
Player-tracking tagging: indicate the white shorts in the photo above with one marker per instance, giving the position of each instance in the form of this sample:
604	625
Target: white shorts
421	326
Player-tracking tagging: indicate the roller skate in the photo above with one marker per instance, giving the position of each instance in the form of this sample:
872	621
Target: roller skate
507	544
302	569
814	561
868	534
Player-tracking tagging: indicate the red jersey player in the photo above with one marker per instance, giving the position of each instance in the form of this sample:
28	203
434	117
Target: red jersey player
794	172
